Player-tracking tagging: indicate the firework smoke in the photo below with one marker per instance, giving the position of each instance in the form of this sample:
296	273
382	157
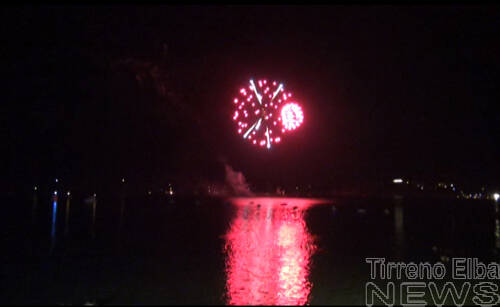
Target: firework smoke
237	182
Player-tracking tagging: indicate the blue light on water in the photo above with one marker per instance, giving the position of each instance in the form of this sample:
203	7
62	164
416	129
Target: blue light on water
54	215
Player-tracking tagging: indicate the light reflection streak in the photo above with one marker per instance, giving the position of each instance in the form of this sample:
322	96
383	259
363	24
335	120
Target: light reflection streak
268	251
54	215
53	224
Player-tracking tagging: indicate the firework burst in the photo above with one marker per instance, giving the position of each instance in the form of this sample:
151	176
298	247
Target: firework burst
264	111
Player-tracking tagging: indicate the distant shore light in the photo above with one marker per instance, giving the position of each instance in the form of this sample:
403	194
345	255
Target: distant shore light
496	196
398	180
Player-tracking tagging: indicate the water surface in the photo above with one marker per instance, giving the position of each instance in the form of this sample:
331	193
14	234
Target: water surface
152	250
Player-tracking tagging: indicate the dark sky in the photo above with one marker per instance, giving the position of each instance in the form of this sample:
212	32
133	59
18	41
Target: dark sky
386	91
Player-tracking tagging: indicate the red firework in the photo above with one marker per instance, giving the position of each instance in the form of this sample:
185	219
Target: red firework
264	111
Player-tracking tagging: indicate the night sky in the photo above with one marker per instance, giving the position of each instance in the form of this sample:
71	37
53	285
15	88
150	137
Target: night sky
95	94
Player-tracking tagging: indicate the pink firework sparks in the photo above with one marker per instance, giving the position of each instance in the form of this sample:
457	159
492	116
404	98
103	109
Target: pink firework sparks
264	107
292	116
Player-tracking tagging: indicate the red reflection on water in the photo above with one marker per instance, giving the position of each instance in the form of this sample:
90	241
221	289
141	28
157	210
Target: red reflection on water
268	250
